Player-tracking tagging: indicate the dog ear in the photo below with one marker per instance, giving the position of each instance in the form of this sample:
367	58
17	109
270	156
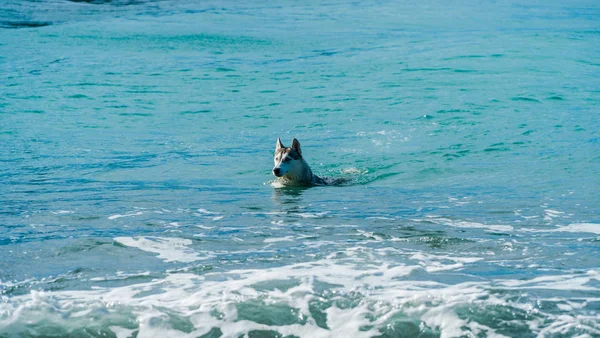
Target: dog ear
296	146
279	144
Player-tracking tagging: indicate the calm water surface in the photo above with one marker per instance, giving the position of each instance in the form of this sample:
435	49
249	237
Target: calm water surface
136	142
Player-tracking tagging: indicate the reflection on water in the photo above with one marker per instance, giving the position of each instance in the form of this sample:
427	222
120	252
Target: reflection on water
288	196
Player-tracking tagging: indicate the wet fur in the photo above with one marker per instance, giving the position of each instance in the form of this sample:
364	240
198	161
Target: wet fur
291	168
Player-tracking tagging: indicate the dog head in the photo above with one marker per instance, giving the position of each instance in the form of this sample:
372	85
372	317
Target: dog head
288	161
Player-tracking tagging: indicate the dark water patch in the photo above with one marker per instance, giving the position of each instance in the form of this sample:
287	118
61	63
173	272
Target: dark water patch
224	69
311	110
111	2
495	149
450	156
325	52
589	63
465	71
275	314
194	112
329	76
267	334
379	98
474	56
27	97
506	320
344	99
91	84
197	270
455	146
555	98
274	284
79	96
525	99
33	112
215	332
390	85
23	24
136	114
426	69
81	246
458	120
147	91
401	326
57	61
268	91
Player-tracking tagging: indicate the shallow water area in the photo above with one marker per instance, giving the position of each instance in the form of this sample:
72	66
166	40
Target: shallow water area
137	142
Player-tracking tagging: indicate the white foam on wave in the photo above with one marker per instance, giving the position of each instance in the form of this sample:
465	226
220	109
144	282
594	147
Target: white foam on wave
433	263
279	239
573	228
472	225
312	215
207	212
62	212
361	293
550	214
125	215
169	249
120	276
580	227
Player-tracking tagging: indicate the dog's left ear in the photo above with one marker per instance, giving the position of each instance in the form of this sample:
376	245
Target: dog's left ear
296	146
279	145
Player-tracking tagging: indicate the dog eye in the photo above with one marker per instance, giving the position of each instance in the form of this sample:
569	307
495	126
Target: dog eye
287	159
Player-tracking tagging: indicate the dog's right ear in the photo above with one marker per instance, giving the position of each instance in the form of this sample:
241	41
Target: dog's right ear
279	144
296	146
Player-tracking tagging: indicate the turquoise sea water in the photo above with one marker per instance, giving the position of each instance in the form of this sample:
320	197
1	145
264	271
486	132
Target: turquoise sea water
136	143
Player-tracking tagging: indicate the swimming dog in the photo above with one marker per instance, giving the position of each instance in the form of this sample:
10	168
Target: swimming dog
291	168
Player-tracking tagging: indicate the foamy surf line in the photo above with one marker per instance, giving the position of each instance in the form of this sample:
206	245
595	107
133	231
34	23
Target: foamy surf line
169	249
357	296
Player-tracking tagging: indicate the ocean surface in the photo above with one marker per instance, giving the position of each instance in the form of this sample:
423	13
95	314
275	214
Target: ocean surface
136	147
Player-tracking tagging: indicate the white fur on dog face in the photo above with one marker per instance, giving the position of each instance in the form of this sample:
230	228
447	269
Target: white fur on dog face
282	162
288	161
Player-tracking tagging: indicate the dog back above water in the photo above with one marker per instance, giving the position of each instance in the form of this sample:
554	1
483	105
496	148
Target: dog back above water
292	170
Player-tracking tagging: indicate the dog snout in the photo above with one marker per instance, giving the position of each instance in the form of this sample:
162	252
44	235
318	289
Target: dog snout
277	172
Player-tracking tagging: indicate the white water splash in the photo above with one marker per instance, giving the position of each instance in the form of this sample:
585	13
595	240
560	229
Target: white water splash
168	249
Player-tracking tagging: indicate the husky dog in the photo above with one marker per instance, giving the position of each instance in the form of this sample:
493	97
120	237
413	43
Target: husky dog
291	169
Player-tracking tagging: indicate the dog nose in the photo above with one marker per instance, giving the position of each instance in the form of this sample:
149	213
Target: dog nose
276	171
